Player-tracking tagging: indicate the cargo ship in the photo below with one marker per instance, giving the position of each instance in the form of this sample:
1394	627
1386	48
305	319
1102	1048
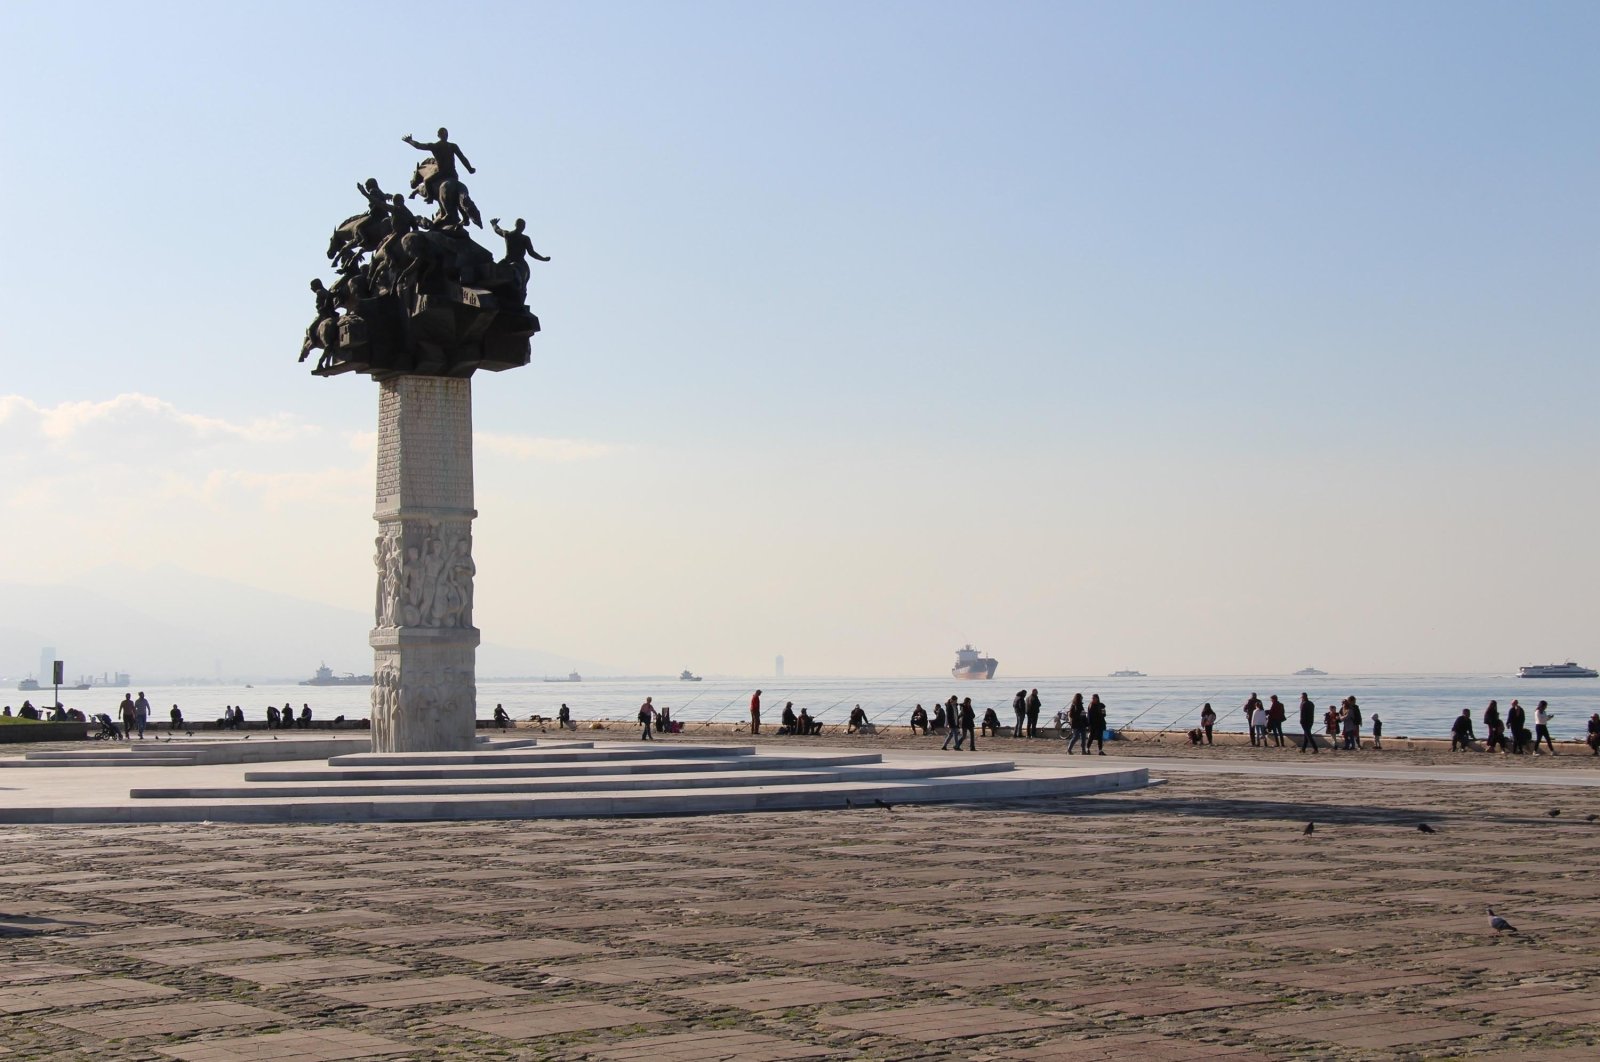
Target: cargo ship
325	677
972	664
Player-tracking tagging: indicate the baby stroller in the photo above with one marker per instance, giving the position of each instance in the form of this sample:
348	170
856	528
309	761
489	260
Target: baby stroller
108	729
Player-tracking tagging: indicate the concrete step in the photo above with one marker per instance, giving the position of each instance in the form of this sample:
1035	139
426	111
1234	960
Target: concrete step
561	768
700	778
133	760
577	751
1009	785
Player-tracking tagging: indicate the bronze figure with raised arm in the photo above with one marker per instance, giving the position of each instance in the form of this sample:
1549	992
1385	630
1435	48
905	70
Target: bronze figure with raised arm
445	154
518	248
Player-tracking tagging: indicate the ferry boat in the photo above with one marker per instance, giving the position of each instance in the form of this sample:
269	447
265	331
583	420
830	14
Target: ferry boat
572	676
688	676
1309	672
972	664
28	685
1128	673
1567	670
325	677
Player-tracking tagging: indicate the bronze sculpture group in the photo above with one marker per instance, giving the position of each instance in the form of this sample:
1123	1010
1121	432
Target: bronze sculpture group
416	294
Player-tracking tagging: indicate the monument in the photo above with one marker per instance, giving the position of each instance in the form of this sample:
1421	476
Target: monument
419	306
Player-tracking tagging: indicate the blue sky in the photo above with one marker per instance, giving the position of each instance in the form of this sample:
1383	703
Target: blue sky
842	293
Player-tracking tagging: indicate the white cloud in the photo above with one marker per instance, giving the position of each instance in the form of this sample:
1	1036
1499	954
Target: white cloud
139	413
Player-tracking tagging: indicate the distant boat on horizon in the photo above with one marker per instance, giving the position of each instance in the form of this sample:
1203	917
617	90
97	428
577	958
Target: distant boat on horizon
1309	671
688	676
1567	670
326	677
972	664
1127	673
572	676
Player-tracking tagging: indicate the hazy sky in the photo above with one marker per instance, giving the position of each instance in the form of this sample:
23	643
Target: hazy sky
1196	337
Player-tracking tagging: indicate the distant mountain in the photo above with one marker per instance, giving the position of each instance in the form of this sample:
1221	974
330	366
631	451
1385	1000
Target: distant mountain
165	623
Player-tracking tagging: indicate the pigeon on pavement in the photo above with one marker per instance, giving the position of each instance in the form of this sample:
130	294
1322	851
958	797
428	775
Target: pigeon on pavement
1309	830
1498	924
1553	812
881	804
1425	828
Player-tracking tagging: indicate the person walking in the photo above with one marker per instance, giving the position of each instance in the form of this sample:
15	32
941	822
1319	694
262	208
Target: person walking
1541	727
755	712
141	713
1308	720
125	713
1097	724
647	715
1019	708
1034	704
952	726
969	728
1078	722
1208	719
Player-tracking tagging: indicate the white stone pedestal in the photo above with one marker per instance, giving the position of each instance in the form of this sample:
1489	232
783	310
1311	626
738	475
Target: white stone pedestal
424	690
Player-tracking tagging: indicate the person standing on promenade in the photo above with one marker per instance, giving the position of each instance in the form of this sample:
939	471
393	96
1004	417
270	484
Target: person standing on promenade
755	712
1541	727
1097	724
1495	729
1019	708
969	728
1461	736
141	713
1517	723
1276	715
952	725
1208	719
1258	725
1078	720
1034	704
647	715
1352	723
1308	719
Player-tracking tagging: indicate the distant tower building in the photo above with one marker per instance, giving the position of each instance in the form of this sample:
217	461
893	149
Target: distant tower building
778	665
47	665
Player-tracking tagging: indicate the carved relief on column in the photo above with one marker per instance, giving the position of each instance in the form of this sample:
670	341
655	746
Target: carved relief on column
425	574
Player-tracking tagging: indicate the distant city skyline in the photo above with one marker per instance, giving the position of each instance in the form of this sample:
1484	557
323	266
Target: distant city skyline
1202	339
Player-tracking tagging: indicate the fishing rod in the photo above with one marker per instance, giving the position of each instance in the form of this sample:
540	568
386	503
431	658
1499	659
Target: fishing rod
876	732
707	721
1129	724
1174	722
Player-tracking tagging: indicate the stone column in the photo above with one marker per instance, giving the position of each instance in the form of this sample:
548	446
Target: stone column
424	692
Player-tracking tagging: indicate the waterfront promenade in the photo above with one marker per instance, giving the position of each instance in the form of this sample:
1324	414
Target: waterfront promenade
1188	920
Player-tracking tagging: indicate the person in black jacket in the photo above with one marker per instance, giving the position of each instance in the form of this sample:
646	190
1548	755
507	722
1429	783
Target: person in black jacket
1308	720
1019	708
969	725
1461	735
1097	724
1033	714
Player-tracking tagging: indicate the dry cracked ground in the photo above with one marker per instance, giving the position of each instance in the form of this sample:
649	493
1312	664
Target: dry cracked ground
1190	920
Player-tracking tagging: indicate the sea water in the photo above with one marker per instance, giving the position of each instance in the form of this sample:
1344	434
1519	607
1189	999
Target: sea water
1411	705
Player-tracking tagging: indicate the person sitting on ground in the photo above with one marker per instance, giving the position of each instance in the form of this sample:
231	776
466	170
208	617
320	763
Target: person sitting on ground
804	723
272	717
919	720
991	724
564	718
1594	733
1197	736
305	716
75	715
938	716
58	714
502	718
28	711
177	717
790	722
7	712
1461	735
858	721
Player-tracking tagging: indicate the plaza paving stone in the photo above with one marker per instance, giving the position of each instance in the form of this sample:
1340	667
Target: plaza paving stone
1190	920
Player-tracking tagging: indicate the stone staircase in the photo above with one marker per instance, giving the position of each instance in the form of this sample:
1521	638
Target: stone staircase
527	778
